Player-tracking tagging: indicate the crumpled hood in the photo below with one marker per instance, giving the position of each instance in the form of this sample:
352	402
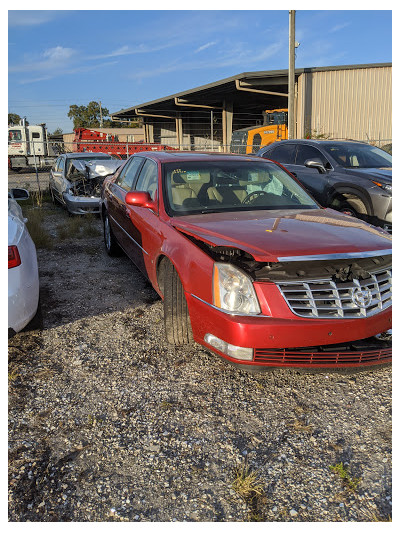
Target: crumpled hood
94	169
276	235
384	175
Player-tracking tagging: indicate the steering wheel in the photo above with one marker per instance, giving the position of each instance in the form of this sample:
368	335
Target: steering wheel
256	194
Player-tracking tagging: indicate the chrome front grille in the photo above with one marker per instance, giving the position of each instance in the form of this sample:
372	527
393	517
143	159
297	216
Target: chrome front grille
336	299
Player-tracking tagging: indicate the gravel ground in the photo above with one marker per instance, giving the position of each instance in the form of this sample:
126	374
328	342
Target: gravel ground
107	422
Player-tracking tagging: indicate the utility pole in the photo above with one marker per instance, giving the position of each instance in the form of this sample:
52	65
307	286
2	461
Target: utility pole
101	116
291	83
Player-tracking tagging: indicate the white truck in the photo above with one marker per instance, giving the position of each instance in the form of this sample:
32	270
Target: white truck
29	147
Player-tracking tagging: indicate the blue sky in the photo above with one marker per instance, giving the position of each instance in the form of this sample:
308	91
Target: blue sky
124	58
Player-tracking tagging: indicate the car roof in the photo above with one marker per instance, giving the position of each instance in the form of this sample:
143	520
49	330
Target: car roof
85	154
317	142
174	156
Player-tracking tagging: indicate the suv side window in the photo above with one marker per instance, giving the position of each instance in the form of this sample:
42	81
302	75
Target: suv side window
126	178
305	152
61	164
148	179
284	153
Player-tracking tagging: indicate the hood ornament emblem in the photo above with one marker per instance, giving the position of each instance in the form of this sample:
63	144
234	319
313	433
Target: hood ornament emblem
361	297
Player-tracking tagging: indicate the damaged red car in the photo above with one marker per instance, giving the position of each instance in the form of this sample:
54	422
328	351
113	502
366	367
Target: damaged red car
248	264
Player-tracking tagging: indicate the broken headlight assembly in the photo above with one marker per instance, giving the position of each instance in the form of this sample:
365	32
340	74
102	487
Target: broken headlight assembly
233	290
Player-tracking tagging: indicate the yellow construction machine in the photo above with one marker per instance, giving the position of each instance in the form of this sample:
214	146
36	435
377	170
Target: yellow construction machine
249	140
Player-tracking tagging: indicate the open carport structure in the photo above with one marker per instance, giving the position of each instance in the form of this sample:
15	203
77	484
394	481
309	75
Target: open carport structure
350	101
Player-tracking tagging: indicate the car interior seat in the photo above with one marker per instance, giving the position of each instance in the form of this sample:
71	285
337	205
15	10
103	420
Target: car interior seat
226	191
182	194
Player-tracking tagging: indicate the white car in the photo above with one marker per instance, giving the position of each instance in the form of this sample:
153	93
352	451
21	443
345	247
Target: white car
23	276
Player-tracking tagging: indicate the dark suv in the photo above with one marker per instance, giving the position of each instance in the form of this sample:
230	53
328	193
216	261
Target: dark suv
352	177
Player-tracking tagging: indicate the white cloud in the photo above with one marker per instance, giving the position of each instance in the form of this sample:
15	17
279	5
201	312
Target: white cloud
205	46
240	56
58	53
339	27
51	59
31	18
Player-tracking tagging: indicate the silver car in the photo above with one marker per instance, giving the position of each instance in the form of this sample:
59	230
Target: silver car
75	180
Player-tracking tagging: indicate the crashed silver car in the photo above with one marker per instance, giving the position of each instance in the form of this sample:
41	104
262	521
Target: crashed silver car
76	179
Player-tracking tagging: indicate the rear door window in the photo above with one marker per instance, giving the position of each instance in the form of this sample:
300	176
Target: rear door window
284	153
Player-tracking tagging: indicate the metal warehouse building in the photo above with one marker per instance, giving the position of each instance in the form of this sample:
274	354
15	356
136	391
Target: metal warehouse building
340	102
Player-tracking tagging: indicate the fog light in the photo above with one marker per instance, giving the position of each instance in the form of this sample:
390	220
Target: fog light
237	352
385	336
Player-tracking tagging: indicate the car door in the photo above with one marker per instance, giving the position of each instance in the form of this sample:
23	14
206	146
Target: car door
58	181
282	152
313	179
116	192
53	170
142	223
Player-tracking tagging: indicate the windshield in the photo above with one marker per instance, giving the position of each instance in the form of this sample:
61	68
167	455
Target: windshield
217	186
353	155
86	159
14	135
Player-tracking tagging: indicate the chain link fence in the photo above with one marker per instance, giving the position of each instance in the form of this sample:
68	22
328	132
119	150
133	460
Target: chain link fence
31	168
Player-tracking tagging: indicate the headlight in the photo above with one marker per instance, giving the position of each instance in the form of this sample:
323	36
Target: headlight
233	290
386	187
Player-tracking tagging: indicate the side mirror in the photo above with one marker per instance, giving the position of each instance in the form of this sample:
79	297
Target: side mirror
140	199
19	194
315	163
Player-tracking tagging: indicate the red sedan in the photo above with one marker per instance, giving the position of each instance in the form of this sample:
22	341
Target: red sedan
248	264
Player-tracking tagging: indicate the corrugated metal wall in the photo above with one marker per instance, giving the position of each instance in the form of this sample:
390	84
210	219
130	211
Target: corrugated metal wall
346	104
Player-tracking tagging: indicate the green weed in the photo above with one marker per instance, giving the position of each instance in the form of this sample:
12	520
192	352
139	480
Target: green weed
344	474
39	235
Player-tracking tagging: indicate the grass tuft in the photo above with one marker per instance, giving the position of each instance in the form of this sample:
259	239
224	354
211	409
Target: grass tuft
249	488
36	229
78	227
344	474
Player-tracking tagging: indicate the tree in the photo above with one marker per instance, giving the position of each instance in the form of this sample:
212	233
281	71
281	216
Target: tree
89	116
86	116
13	119
57	131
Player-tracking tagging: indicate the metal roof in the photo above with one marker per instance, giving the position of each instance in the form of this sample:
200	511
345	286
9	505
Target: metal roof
213	94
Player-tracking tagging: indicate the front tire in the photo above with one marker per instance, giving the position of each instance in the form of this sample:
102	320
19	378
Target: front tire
176	314
110	242
353	206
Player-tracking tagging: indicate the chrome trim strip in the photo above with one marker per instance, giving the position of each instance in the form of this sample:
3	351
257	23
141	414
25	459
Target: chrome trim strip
228	312
131	238
323	257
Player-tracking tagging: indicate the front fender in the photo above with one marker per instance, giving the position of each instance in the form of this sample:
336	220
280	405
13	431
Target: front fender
341	189
192	264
